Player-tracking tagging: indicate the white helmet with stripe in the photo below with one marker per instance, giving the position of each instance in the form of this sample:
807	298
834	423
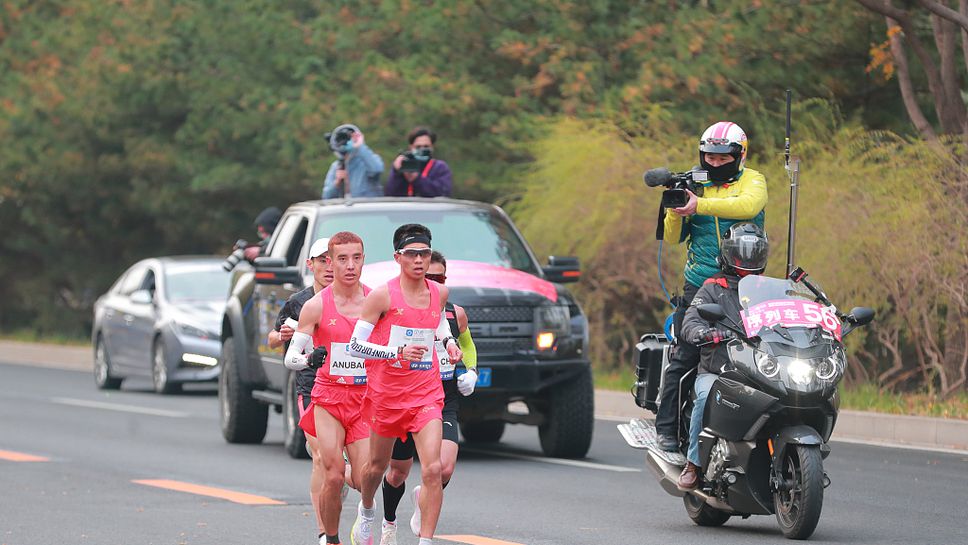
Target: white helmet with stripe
728	138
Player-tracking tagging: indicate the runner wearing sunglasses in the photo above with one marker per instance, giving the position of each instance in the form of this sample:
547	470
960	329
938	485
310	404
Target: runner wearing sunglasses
395	333
395	482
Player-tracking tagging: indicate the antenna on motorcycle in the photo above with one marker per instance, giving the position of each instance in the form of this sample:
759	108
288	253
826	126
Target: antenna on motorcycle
793	172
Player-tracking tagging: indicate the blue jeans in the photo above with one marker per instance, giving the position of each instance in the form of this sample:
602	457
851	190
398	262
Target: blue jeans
704	383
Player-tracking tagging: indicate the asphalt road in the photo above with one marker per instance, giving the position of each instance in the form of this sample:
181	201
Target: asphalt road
93	446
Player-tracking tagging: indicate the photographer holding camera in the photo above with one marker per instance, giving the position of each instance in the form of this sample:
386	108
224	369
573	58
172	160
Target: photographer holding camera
356	170
731	194
416	173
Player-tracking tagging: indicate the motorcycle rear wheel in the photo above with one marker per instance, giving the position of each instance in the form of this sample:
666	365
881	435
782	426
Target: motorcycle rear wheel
798	509
702	514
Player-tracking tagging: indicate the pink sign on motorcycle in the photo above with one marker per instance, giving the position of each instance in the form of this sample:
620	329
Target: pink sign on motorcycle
790	313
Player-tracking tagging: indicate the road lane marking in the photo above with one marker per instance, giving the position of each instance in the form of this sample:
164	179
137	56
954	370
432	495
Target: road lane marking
118	407
558	461
12	456
221	493
477	540
884	444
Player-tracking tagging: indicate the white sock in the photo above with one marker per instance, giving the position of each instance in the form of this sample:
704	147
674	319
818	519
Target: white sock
367	513
425	541
388	523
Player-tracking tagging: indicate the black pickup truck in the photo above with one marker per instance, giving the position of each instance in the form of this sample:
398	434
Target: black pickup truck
530	333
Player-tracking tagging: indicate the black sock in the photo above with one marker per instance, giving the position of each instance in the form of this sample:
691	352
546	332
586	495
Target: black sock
391	499
332	539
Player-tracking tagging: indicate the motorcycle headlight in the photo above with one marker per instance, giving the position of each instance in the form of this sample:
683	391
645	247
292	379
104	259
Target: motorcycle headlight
800	371
831	366
766	363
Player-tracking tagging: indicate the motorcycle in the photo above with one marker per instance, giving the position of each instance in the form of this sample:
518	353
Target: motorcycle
769	415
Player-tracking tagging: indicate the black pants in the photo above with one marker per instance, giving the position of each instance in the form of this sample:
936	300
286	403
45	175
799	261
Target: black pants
684	357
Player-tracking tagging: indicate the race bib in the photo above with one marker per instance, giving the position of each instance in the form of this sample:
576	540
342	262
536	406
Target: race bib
446	366
345	366
412	336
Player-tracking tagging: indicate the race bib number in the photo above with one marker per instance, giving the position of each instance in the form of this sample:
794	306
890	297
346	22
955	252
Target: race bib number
790	313
446	366
412	336
345	367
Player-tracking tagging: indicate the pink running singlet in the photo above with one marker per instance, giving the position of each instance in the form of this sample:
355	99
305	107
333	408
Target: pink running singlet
399	384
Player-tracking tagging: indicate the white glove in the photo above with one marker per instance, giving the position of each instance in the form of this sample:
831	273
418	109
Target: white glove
466	382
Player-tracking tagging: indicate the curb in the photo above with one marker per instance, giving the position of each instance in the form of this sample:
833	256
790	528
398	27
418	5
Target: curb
855	426
892	429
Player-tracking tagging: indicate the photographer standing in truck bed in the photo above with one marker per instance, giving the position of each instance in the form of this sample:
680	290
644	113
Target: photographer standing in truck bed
356	170
416	173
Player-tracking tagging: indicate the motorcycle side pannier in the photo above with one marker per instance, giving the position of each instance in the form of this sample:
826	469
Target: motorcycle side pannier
650	357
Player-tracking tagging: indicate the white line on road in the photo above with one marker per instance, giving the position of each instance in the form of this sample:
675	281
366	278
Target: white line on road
118	407
885	444
558	461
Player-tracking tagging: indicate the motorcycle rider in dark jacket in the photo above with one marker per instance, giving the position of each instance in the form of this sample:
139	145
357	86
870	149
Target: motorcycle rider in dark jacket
743	251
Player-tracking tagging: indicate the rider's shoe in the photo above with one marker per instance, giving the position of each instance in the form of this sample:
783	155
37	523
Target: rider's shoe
389	535
361	534
689	478
415	519
667	442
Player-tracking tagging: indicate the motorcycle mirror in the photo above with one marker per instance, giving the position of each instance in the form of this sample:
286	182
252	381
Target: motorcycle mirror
711	312
861	315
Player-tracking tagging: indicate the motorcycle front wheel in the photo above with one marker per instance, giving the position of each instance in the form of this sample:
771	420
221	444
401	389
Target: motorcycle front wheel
799	502
702	514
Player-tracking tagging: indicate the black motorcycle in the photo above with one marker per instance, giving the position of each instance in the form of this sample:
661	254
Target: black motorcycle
770	413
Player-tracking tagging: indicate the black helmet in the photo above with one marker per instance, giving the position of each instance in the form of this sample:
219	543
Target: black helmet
744	249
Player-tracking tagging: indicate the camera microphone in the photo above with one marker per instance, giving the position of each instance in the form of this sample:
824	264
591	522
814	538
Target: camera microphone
657	176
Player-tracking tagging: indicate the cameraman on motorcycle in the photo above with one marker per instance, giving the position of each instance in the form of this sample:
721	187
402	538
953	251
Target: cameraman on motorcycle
744	250
732	194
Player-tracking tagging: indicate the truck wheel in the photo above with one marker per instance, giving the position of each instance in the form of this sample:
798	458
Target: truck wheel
486	431
567	428
243	419
293	437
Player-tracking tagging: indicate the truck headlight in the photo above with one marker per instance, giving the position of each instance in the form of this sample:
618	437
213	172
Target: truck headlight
551	322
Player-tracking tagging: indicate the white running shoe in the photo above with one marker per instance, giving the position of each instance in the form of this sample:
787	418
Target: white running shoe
361	533
389	536
415	519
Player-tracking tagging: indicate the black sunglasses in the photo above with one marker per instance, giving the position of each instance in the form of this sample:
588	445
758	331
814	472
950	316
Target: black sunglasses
438	278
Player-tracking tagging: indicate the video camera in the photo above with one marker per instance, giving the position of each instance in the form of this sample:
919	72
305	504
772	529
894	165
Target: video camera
677	184
340	137
415	160
238	253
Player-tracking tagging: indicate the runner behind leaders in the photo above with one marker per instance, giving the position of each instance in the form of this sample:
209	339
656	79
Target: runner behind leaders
395	482
322	277
340	379
404	395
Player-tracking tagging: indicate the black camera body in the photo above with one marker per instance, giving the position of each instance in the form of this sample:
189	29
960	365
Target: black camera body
415	160
339	137
676	183
238	253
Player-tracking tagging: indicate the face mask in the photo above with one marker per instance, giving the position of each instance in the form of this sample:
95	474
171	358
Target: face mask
722	173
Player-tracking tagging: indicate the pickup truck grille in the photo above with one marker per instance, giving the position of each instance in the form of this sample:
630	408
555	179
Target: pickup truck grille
499	314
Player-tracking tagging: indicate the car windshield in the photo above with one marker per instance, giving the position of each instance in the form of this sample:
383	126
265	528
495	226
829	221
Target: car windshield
196	282
469	235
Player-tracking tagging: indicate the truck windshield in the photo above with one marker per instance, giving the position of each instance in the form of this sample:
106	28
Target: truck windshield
469	235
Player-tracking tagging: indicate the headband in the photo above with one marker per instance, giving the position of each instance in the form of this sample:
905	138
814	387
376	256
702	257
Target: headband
412	239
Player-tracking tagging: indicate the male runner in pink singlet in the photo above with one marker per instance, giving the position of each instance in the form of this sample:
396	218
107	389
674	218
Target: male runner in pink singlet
395	333
340	383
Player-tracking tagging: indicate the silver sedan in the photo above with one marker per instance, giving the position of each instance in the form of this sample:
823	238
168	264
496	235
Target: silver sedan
161	319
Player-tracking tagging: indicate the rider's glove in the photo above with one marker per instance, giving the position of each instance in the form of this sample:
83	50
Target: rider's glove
712	335
466	382
317	358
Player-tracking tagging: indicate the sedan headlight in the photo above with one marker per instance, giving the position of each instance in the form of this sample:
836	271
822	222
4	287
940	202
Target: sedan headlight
193	331
551	322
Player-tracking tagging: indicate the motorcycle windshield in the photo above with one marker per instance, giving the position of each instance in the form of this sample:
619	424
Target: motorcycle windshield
774	305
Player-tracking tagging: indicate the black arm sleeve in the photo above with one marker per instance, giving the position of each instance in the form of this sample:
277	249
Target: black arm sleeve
692	322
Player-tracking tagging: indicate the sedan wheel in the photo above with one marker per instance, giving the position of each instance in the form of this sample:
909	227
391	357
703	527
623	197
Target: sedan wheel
159	370
102	367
